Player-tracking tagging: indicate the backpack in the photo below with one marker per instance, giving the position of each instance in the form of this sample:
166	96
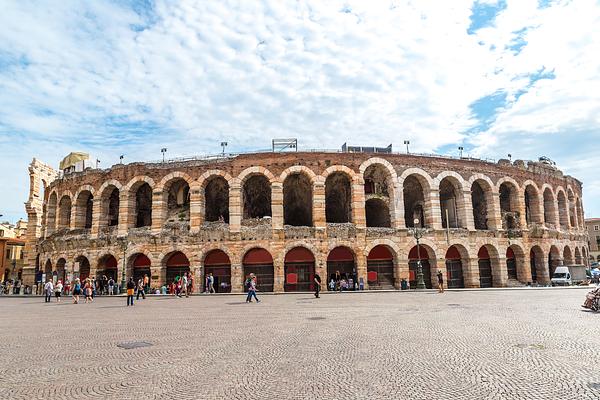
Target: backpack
248	283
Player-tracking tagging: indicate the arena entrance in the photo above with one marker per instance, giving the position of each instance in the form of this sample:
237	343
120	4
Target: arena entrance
485	268
340	265
61	270
177	265
421	253
380	268
454	271
141	267
299	268
511	264
260	263
218	264
82	265
107	265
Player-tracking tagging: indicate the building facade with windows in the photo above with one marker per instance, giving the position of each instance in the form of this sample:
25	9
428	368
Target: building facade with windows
593	229
285	216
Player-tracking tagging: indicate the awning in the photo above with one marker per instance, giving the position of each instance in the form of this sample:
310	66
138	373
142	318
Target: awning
72	159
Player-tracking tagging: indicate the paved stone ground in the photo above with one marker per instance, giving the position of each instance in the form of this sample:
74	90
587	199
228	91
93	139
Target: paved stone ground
510	344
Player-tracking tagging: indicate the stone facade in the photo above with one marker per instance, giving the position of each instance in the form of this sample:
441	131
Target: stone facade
471	211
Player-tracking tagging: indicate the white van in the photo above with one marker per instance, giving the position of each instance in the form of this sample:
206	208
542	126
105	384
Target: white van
568	275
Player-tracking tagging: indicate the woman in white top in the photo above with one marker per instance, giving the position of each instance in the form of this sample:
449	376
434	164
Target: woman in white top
58	290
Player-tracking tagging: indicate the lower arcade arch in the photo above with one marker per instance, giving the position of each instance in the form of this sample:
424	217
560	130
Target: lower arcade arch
61	270
177	264
82	266
259	262
299	270
454	269
425	255
554	260
107	266
218	265
511	264
341	266
380	268
486	279
140	267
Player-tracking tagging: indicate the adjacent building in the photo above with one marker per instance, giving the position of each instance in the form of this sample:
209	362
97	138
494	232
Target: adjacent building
592	226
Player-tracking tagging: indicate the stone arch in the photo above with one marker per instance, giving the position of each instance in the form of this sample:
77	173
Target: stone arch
563	208
256	192
490	272
259	261
341	264
580	217
416	189
534	212
550	209
453	208
508	190
299	265
51	211
482	201
298	198
515	263
298	169
338	195
107	185
382	271
554	259
457	262
174	264
174	190
108	264
167	179
216	263
380	180
84	207
573	223
426	253
84	266
137	181
578	256
537	265
568	256
343	169
109	195
64	211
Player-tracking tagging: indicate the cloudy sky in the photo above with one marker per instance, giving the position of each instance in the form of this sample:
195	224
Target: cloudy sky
130	77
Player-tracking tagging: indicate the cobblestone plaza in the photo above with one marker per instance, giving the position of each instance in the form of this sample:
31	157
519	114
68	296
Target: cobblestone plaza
498	344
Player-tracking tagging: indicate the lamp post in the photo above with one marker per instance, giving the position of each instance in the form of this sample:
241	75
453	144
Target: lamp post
418	233
223	145
407	142
124	245
461	148
163	151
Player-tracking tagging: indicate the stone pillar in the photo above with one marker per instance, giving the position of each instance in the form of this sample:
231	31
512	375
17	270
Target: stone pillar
358	206
158	211
237	279
235	208
541	269
499	272
198	279
126	213
494	213
277	205
397	205
158	276
321	269
319	219
523	268
434	217
441	265
401	269
96	216
196	208
470	269
466	211
361	267
521	207
278	275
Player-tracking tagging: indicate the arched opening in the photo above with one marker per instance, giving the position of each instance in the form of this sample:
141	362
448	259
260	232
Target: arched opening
82	265
48	269
218	264
51	214
299	269
563	213
532	205
177	265
107	266
424	254
572	210
485	268
61	270
260	263
568	256
554	260
84	207
450	203
414	202
580	217
578	258
380	268
377	213
110	206
297	200
479	199
511	264
143	206
549	209
256	197
64	213
509	206
140	267
378	196
536	260
454	271
178	200
338	198
341	266
216	200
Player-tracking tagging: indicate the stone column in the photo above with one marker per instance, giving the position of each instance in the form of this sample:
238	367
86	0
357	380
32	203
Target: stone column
494	213
541	269
434	217
321	269
521	208
198	279
470	269
441	265
319	219
361	267
277	205
161	276
235	207
158	211
523	267
397	205
466	211
401	269
236	278
126	213
358	206
499	272
96	216
196	208
278	275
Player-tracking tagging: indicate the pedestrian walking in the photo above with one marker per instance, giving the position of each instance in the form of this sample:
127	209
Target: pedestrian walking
440	278
111	286
48	289
87	290
252	289
76	291
146	283
211	283
317	280
190	289
130	290
184	284
58	290
140	289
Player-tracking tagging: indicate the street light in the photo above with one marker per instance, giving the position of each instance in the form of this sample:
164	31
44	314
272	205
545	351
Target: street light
407	142
124	245
460	148
121	158
223	145
418	233
163	151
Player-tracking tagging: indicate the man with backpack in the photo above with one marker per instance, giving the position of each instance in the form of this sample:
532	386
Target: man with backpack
111	286
251	287
317	280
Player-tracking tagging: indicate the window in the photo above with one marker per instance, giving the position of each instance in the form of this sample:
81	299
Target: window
8	254
1	232
596	227
598	241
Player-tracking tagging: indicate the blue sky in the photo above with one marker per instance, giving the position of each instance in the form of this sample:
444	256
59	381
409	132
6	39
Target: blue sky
130	77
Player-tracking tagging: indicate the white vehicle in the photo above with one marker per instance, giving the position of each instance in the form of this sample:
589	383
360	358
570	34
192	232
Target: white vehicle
568	275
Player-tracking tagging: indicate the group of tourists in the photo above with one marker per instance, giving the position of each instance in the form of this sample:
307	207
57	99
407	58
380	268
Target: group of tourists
182	285
343	282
